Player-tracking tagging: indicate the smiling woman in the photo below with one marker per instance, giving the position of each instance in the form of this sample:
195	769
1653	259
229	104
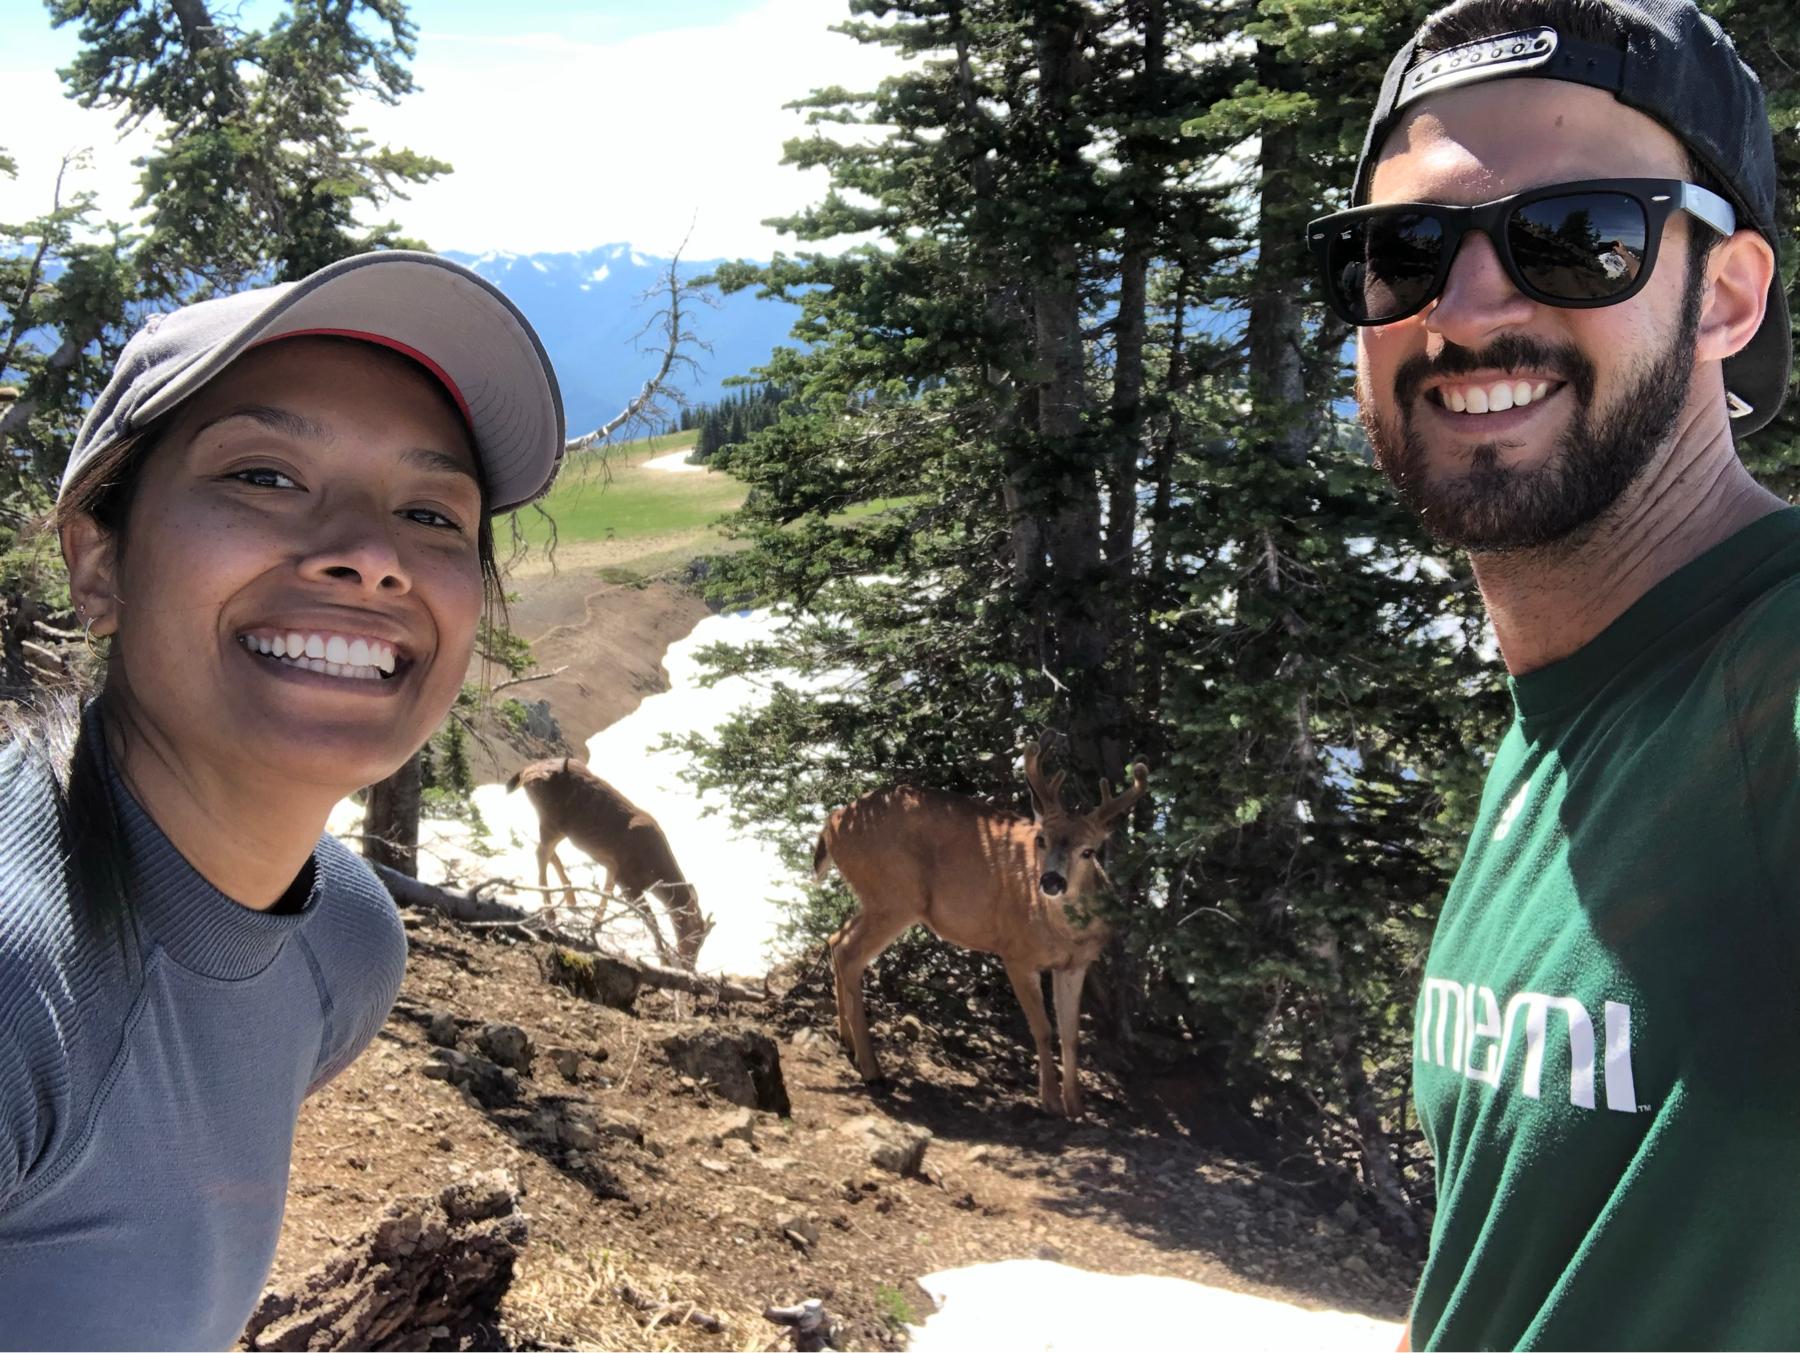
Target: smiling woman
278	517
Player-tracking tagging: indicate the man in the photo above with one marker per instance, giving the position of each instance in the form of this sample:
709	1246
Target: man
1564	270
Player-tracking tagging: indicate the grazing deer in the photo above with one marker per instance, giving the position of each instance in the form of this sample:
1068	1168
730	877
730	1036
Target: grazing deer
982	878
622	838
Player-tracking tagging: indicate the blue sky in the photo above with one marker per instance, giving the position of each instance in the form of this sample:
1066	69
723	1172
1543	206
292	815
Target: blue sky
570	123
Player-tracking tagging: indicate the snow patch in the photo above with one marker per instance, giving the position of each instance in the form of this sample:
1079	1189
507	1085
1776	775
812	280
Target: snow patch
1034	1306
599	274
675	460
741	880
539	266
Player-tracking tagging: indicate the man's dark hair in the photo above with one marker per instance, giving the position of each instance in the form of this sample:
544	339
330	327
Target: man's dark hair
1592	21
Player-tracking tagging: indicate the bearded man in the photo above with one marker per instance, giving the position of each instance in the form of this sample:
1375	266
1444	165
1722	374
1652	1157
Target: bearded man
1562	263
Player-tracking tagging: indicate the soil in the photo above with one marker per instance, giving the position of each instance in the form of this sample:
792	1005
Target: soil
684	1217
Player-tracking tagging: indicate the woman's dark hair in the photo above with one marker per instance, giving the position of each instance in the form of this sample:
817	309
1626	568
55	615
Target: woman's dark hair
56	737
1592	21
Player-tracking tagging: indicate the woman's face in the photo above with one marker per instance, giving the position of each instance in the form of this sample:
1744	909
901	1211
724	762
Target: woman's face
299	583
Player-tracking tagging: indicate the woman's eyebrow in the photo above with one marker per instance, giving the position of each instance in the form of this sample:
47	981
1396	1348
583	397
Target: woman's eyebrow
275	419
441	461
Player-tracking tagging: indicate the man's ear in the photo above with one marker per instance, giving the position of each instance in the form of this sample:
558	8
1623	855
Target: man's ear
91	552
1738	273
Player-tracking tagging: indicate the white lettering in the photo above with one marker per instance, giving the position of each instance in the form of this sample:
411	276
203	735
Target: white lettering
1581	1044
1485	1025
1462	1028
1445	992
1621	1092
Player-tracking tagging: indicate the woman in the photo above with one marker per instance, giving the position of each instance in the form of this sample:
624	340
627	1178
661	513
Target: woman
277	517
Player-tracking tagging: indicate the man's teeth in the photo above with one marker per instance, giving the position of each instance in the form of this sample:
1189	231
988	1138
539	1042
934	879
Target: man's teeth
1495	398
332	654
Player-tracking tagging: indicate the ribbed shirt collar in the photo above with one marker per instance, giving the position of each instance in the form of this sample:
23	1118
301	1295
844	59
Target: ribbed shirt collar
179	911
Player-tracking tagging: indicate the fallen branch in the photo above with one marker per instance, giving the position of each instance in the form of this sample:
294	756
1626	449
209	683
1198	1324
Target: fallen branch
470	909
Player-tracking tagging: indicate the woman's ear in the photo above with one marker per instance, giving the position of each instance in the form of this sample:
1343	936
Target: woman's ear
1738	273
91	552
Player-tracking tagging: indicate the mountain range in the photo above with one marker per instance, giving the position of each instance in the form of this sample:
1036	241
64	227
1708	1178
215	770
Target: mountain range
589	307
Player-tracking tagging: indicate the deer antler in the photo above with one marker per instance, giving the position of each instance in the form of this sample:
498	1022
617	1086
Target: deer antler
1111	807
1048	795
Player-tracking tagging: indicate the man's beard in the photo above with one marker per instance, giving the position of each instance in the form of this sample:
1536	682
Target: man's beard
1493	507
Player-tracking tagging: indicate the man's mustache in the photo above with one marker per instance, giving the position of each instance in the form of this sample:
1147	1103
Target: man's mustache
1509	352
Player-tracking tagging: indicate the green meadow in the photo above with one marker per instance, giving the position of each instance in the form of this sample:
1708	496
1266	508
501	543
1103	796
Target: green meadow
615	517
615	497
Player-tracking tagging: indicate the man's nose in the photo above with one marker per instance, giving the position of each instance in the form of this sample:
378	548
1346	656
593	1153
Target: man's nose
1479	300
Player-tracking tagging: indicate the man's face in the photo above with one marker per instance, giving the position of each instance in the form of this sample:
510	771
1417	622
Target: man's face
1604	386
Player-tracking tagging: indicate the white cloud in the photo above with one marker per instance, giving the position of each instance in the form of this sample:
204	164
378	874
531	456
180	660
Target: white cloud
557	144
42	126
565	145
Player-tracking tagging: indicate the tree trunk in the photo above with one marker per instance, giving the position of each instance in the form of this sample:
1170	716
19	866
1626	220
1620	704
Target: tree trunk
391	820
1075	600
1275	328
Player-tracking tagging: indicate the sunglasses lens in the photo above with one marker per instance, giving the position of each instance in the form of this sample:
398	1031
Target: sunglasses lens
1582	247
1382	268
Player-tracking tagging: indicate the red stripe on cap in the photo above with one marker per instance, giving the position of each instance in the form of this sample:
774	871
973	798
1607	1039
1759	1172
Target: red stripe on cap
382	340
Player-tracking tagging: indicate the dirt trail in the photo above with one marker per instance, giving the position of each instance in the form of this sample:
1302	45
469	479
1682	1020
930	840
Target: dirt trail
608	639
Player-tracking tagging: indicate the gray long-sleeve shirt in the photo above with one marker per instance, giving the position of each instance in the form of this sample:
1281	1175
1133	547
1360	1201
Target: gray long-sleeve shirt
147	1114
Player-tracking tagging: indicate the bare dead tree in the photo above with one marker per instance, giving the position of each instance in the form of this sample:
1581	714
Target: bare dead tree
672	345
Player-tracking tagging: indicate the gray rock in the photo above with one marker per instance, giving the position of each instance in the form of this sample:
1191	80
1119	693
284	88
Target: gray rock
508	1045
1347	1215
492	1086
741	1065
440	1029
446	1064
567	1061
898	1148
739	1124
799	1232
593	977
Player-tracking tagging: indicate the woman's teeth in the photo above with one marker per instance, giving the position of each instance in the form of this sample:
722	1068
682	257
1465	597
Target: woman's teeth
1495	398
335	655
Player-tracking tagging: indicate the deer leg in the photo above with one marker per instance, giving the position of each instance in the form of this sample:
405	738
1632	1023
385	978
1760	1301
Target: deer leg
1028	986
853	948
1065	984
548	852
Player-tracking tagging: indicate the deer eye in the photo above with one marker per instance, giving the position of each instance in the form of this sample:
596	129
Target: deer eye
1088	854
1040	841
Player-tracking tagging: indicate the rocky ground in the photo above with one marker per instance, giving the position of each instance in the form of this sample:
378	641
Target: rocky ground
662	1208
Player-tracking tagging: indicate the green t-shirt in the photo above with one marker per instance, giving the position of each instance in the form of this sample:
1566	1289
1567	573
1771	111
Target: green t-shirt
1607	1055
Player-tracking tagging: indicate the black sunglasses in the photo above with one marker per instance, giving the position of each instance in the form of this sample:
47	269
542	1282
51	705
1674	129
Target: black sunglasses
1580	244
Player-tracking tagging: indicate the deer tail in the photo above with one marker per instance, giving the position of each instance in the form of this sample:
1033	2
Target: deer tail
821	856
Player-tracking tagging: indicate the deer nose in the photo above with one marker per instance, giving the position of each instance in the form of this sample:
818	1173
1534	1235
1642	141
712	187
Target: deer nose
1052	884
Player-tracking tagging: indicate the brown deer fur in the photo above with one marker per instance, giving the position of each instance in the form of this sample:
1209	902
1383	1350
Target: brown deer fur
573	802
982	878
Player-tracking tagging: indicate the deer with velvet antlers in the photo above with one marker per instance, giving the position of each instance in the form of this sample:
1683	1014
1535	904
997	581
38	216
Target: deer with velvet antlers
983	878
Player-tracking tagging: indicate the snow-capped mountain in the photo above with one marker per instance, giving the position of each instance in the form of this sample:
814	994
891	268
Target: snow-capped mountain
589	307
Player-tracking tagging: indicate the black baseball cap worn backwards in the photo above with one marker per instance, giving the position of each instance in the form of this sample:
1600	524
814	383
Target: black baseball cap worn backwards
1677	66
